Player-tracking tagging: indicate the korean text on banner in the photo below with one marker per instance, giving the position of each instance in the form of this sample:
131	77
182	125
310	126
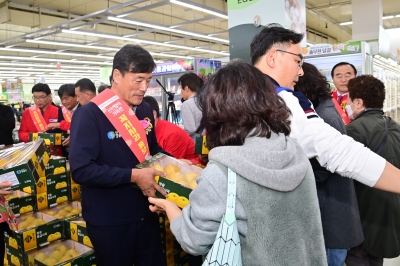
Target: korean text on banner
37	118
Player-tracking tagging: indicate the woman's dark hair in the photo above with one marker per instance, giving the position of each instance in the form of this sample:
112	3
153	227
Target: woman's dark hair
313	85
134	59
191	80
66	89
41	87
369	89
272	34
237	101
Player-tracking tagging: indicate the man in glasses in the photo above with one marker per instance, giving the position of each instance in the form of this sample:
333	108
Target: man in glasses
42	99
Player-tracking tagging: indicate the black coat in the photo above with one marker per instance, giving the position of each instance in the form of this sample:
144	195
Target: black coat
379	210
336	194
7	124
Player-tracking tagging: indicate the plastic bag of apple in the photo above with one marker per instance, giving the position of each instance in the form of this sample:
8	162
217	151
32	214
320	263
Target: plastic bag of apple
180	179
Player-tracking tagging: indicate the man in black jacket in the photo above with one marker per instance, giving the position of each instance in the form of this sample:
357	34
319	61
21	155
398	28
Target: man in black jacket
119	223
7	124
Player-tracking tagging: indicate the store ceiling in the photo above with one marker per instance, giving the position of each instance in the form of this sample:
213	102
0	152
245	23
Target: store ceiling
38	34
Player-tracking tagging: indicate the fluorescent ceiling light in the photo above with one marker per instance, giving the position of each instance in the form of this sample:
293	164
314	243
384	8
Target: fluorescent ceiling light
55	70
397	16
141	41
205	10
13	64
132	22
56	60
102	48
346	23
74	45
37	51
309	44
387	17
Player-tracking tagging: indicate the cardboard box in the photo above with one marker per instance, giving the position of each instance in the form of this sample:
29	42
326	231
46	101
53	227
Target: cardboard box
39	232
76	230
174	254
49	138
84	256
56	165
177	184
14	257
29	168
21	202
201	145
75	192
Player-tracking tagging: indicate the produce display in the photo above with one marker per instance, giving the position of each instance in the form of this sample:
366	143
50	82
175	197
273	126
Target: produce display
18	154
64	211
60	254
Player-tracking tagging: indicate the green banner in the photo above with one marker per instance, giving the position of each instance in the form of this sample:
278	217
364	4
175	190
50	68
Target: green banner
240	4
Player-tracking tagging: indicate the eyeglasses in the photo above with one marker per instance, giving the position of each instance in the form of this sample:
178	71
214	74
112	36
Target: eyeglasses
40	98
299	55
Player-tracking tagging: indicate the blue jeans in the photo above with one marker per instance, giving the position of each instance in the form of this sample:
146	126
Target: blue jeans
336	257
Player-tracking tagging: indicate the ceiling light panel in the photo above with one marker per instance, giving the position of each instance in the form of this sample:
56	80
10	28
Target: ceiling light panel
199	8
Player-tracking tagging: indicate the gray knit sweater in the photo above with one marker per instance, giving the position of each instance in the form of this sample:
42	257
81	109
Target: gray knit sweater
276	207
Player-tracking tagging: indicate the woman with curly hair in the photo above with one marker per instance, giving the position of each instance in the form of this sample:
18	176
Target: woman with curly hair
248	128
379	210
337	198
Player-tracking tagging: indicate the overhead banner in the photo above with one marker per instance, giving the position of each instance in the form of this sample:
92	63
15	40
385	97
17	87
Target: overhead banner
174	67
325	48
15	97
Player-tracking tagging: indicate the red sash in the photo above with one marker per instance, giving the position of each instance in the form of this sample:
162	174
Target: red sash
342	113
67	114
38	119
125	122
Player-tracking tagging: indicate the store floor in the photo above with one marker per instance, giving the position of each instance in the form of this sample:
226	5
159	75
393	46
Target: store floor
392	262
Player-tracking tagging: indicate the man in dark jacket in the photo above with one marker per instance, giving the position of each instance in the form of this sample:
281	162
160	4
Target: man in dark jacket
7	124
120	225
379	210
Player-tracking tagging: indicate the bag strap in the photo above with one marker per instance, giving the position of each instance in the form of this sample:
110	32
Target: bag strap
378	151
231	197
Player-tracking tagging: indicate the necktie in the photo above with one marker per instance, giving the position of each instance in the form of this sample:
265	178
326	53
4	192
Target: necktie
339	99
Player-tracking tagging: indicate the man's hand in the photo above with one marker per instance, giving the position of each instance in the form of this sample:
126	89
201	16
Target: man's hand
66	142
144	179
53	125
5	185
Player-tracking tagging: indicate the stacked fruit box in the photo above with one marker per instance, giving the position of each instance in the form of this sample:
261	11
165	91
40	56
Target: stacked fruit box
179	182
75	229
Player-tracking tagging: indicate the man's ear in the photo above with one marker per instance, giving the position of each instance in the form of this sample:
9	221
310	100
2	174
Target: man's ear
270	57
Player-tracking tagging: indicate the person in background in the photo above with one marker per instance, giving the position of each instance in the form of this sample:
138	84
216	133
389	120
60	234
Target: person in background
276	51
379	210
336	194
120	225
69	100
7	125
172	138
191	114
85	90
102	88
276	200
341	74
42	98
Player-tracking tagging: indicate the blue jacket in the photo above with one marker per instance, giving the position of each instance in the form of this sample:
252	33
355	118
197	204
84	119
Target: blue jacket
101	162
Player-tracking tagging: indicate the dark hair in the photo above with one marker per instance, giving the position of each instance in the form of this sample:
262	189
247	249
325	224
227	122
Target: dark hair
240	100
153	104
134	59
368	88
343	64
66	89
85	85
271	35
191	80
102	88
41	87
313	85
